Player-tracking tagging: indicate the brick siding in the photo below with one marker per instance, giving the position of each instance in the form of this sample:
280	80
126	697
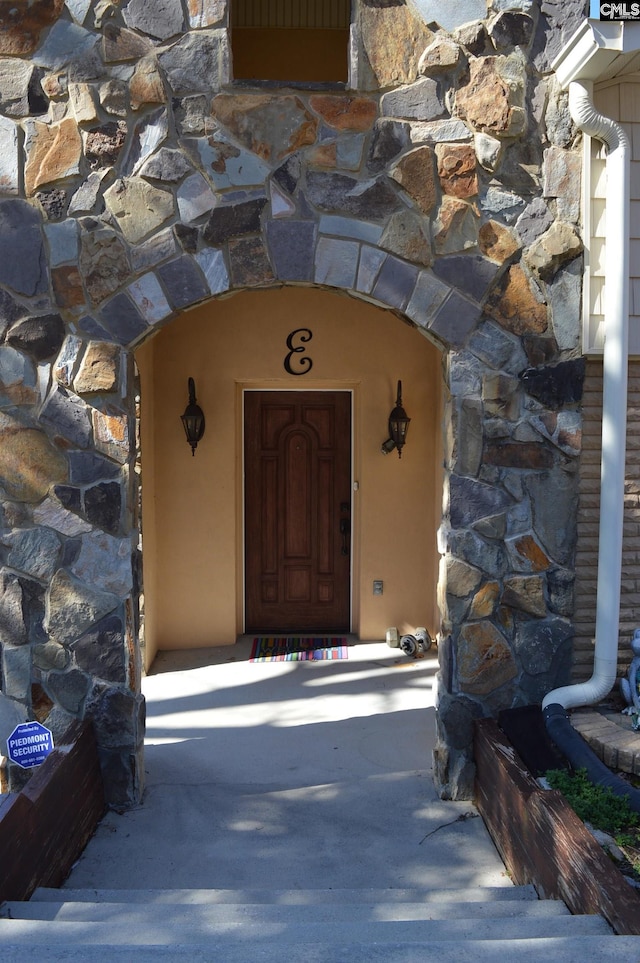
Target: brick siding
588	521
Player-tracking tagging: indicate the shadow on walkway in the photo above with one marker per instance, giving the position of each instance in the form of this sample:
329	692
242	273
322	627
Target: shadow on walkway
290	775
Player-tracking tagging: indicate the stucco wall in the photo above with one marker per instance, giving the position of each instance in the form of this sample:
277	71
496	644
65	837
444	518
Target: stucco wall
192	524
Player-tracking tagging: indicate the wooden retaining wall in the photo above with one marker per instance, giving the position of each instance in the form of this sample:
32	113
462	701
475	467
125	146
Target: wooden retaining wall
45	827
542	841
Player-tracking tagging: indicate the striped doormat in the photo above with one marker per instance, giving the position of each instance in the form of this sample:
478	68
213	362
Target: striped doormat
298	649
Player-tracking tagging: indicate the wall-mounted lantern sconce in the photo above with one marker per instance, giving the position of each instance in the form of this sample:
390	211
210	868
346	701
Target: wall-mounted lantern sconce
193	419
398	426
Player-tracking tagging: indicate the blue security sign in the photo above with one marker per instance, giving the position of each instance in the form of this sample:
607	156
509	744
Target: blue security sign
29	744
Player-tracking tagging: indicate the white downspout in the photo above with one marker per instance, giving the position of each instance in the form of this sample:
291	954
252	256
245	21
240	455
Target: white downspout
614	401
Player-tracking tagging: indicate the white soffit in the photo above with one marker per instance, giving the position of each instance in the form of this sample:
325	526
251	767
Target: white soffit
599	50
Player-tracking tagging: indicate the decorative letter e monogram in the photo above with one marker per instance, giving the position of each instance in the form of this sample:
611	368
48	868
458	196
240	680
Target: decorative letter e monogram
295	342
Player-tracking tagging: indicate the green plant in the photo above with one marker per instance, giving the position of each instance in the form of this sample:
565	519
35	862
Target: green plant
600	807
597	805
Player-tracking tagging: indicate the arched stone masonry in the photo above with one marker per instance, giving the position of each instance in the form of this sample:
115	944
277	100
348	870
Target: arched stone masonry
136	182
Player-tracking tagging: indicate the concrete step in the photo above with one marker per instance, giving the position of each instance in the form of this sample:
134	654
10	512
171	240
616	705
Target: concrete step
572	949
259	913
296	897
141	932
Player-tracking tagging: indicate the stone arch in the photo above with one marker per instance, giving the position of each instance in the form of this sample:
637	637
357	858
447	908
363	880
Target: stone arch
296	252
72	570
137	183
341	263
81	607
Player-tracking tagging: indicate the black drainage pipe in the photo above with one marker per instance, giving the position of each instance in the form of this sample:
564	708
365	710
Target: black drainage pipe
581	756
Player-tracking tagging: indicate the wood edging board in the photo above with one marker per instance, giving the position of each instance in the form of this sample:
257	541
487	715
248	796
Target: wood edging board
45	827
542	841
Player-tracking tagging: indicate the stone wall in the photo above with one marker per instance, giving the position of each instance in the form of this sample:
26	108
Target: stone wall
137	181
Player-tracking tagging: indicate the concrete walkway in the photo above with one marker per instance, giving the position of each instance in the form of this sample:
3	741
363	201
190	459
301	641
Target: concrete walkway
290	775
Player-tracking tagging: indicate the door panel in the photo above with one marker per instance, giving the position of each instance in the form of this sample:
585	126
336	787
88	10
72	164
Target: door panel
297	492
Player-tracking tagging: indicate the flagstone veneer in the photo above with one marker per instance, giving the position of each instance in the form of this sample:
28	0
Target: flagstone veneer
136	181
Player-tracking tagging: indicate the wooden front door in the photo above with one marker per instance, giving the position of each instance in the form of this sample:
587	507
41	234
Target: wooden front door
297	510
